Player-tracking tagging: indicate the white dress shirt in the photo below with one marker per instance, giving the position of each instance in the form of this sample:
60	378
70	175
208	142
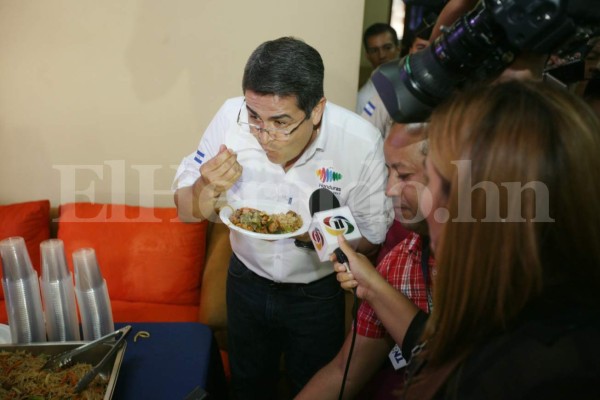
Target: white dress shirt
346	157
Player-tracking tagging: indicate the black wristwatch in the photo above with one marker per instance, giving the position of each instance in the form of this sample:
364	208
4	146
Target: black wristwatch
304	245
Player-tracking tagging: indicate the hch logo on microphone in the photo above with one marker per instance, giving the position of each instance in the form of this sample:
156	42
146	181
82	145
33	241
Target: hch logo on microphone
317	239
338	225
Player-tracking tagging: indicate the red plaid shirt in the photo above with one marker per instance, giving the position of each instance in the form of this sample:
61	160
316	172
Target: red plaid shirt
401	267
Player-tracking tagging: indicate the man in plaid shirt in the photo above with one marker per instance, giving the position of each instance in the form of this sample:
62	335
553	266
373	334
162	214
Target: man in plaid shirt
405	267
401	267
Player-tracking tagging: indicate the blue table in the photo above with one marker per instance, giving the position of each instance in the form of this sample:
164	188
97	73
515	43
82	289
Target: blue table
170	363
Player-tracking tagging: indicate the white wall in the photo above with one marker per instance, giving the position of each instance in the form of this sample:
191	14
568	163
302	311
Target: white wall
100	100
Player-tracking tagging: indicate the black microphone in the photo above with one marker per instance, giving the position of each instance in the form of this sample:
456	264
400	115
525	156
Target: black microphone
320	200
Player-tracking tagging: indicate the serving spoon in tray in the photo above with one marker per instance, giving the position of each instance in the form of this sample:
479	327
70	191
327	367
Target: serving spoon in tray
65	358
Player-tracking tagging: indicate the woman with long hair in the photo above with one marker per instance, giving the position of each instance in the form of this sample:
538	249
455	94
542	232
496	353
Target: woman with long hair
513	210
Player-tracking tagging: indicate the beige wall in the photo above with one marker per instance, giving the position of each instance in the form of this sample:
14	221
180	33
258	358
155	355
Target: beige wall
100	100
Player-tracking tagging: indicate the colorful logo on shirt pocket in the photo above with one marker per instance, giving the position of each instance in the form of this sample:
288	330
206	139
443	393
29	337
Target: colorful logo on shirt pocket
328	175
338	225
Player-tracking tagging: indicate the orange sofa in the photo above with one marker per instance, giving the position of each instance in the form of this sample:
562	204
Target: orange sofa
156	268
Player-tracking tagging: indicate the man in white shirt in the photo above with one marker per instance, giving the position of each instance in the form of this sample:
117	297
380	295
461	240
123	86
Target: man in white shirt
373	109
282	141
381	45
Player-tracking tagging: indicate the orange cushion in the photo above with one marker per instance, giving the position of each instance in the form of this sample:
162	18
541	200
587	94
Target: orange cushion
31	221
145	254
213	307
126	311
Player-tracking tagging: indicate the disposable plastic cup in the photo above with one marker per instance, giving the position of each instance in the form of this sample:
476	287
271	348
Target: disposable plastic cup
24	309
92	296
54	263
16	263
87	272
58	294
60	310
21	293
95	311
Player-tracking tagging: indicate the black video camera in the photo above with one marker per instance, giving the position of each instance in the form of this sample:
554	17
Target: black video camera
478	47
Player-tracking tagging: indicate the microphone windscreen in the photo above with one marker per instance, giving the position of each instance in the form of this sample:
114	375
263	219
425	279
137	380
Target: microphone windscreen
322	200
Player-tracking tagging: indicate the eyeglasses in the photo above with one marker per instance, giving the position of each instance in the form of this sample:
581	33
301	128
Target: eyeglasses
281	133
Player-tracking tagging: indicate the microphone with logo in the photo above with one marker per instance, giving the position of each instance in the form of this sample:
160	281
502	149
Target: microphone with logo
319	200
328	222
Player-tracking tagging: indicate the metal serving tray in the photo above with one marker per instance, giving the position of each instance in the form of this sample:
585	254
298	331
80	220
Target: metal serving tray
92	356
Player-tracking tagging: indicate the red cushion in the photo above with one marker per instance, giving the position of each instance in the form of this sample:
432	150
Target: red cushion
145	254
31	221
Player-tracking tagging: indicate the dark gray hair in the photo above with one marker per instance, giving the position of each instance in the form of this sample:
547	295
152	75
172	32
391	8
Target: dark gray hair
377	29
286	67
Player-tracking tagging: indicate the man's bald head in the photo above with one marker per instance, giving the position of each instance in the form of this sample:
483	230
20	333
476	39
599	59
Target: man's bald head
404	149
402	135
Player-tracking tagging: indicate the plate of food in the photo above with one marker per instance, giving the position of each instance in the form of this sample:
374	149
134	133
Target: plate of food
265	219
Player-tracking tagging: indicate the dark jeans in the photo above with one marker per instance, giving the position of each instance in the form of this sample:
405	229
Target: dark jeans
305	322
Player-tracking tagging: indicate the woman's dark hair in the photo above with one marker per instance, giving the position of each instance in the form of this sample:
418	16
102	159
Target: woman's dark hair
538	147
286	67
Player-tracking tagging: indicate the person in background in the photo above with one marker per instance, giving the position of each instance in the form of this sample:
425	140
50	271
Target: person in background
405	149
282	141
381	45
525	65
423	33
379	117
517	288
373	109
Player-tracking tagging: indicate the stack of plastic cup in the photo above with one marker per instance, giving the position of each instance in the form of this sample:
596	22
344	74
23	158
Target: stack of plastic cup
92	296
21	293
58	294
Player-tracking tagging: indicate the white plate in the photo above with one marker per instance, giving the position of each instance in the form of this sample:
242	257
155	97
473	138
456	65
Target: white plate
268	206
5	334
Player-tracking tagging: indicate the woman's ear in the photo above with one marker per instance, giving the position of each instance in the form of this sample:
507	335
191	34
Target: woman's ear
317	112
